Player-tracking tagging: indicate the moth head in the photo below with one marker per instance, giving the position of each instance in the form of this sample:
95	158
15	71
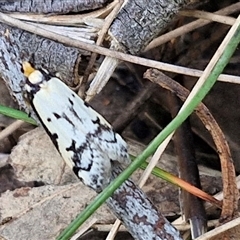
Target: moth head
34	76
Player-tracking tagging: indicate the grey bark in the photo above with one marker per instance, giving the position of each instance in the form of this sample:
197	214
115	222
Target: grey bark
18	46
138	214
140	21
50	6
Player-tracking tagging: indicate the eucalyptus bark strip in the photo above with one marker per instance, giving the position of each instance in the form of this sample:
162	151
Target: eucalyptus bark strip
18	46
130	204
193	207
50	6
140	21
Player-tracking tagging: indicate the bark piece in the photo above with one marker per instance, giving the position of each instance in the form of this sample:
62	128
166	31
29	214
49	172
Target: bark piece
139	22
18	46
138	214
50	6
184	145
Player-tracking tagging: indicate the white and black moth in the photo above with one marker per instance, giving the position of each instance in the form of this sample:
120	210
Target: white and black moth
85	140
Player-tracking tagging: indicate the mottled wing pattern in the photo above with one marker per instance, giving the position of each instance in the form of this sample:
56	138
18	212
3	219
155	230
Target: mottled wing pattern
83	137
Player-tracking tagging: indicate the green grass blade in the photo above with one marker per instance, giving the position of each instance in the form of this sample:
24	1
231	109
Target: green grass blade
13	113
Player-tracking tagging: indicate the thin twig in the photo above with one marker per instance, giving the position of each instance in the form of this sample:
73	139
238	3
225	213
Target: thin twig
132	109
182	226
220	230
84	228
144	177
188	171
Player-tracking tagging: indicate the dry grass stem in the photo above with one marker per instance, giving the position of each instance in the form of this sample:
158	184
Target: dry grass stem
154	160
219	230
209	16
104	73
181	226
114	229
11	128
190	27
81	33
152	120
207	71
65	20
84	228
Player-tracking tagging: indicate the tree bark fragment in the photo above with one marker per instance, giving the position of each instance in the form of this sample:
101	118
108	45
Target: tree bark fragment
18	46
138	214
139	22
50	6
188	171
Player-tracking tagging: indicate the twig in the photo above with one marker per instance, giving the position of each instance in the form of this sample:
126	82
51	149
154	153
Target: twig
153	223
182	226
132	109
144	177
193	208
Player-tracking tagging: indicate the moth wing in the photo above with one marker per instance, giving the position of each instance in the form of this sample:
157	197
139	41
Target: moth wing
62	124
73	120
114	146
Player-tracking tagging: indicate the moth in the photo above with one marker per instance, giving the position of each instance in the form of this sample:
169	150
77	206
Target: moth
85	140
